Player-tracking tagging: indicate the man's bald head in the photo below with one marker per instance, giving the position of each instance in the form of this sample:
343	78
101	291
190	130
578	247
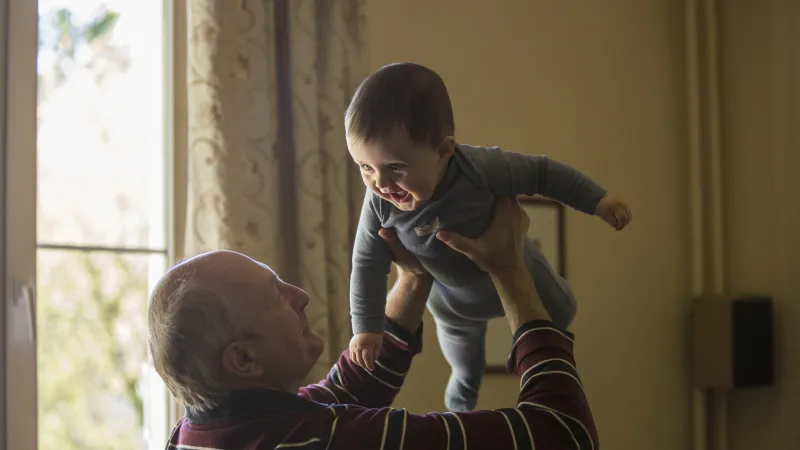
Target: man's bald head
191	321
221	321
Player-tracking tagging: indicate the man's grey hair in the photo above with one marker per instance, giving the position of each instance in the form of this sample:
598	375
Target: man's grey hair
189	326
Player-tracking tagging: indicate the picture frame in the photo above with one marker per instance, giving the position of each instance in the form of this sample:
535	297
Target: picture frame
547	229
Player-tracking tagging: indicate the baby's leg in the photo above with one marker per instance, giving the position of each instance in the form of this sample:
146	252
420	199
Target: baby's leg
554	290
463	346
463	343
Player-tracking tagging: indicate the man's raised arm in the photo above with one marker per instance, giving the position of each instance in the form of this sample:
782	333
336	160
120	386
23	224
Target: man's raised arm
347	382
551	411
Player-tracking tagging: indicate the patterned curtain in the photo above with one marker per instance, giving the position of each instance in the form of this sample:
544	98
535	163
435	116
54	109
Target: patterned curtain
269	173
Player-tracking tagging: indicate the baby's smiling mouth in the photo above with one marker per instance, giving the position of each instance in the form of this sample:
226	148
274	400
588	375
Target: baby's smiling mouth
400	197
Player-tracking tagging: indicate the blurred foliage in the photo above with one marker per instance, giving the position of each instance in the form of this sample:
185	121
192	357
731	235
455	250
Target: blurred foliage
91	348
91	307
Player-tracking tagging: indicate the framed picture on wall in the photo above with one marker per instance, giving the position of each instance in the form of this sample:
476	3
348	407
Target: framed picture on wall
546	231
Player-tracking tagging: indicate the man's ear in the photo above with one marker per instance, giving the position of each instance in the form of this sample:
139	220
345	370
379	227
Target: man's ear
239	360
447	147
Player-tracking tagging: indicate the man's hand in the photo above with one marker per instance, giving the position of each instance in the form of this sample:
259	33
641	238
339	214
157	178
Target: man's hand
499	251
365	348
405	304
501	245
406	262
614	212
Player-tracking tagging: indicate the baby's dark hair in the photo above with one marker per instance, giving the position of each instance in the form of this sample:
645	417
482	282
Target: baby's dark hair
401	94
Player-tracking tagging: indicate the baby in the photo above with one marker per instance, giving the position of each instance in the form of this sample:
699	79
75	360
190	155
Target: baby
400	132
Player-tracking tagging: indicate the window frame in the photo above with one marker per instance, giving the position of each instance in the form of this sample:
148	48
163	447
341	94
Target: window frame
18	374
176	118
18	88
18	69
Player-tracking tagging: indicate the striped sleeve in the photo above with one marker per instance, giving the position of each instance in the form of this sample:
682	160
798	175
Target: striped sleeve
348	383
551	413
550	385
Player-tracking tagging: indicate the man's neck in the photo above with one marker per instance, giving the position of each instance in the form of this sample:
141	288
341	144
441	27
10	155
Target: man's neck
245	384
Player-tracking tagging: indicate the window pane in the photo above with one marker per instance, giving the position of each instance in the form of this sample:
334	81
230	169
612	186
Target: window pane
92	319
101	146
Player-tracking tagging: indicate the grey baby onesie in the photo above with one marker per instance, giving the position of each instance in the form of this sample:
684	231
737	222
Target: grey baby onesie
463	297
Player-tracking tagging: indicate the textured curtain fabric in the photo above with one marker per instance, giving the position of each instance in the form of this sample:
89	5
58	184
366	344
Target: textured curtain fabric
268	168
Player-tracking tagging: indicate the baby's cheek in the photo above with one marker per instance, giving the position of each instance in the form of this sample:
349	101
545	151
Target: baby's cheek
421	189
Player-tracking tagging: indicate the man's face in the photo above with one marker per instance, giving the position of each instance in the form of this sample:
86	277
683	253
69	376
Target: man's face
398	170
277	344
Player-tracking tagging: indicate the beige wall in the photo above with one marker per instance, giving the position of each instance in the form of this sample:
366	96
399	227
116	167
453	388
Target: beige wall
602	87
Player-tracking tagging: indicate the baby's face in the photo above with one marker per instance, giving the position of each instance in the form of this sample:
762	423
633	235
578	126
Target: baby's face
399	171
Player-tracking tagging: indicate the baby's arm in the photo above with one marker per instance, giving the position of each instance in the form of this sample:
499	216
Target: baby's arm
510	173
372	260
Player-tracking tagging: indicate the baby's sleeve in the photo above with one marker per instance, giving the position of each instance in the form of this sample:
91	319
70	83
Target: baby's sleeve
372	260
508	174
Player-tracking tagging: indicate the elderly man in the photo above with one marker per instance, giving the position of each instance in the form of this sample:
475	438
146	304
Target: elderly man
232	342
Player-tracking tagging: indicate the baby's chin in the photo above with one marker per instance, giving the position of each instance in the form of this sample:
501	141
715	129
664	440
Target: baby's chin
407	206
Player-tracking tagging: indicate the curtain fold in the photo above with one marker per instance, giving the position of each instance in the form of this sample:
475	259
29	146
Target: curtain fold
268	170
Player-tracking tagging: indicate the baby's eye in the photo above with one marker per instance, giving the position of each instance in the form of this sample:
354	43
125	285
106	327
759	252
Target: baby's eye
395	167
365	167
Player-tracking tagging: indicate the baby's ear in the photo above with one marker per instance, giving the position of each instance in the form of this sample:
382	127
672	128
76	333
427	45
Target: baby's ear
447	147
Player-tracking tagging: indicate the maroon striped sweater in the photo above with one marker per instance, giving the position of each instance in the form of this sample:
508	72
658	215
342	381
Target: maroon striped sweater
350	409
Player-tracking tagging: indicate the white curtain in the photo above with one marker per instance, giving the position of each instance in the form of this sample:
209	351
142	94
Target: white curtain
269	173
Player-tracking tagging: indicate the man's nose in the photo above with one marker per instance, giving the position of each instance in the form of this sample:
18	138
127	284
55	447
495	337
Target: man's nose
299	298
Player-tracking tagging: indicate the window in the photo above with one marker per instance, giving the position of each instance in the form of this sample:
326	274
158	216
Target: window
102	220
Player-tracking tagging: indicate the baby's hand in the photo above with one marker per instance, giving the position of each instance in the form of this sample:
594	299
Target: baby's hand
365	348
614	211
